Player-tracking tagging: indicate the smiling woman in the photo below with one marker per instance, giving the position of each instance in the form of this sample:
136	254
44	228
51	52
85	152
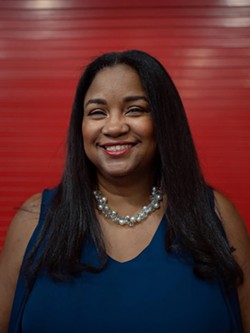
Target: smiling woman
133	231
117	126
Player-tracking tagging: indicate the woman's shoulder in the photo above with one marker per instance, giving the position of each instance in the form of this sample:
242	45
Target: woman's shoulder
239	240
233	224
19	233
23	223
229	216
21	228
25	220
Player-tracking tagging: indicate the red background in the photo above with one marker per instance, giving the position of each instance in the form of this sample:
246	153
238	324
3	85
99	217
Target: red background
45	44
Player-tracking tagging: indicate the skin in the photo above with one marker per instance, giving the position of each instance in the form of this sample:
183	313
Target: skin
118	137
26	220
238	237
125	178
19	233
115	114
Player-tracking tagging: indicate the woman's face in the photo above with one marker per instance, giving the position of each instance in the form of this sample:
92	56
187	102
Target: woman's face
117	124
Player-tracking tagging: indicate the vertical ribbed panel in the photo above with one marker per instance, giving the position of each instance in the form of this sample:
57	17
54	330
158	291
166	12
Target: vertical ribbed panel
44	45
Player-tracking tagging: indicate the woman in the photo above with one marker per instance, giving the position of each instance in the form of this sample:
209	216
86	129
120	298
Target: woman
132	239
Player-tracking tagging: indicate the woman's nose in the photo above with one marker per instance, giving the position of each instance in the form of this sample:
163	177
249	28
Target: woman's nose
115	125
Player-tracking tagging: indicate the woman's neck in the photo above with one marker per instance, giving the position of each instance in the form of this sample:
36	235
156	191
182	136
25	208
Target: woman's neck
126	196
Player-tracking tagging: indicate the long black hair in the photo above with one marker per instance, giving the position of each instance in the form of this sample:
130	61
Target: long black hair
193	225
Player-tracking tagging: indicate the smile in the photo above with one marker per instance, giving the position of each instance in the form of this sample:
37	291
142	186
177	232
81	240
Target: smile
117	147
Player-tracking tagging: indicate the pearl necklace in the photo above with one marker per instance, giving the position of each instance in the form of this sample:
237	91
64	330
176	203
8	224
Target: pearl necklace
103	207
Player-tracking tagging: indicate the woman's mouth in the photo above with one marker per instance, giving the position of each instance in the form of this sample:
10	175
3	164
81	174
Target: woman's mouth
118	149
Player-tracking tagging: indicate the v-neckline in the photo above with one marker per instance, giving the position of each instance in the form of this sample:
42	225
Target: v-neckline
145	249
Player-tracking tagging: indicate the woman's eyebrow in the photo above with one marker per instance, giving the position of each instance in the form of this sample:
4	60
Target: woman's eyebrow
96	101
104	102
135	98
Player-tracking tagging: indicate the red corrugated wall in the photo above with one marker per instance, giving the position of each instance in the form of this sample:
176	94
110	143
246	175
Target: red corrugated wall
44	45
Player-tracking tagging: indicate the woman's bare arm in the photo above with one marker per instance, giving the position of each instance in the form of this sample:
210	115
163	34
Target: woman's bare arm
238	238
18	236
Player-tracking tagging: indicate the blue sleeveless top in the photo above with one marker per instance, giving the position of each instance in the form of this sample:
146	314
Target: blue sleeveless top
154	292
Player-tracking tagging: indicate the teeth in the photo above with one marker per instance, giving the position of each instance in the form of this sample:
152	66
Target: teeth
117	148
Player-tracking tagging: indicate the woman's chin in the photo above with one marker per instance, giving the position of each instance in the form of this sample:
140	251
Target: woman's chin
115	173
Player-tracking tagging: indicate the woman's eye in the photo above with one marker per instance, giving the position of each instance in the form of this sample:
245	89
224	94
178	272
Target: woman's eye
136	111
97	114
